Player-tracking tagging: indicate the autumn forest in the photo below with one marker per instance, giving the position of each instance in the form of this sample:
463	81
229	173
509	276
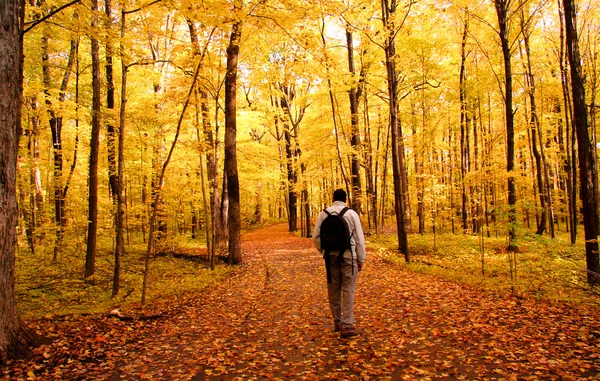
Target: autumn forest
151	122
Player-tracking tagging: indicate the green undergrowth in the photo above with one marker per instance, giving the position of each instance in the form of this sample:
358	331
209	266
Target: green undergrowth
543	268
47	288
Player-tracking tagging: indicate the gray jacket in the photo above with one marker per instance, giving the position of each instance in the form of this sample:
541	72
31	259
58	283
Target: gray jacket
357	238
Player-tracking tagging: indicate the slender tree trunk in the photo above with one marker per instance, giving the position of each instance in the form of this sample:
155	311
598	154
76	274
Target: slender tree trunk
571	151
354	130
536	135
464	151
388	8
475	189
305	204
333	109
502	12
207	148
160	179
418	159
451	155
587	162
92	231
56	122
36	194
120	212
292	180
371	170
111	134
231	171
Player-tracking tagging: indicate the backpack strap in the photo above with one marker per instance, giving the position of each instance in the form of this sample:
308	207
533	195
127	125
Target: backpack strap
341	214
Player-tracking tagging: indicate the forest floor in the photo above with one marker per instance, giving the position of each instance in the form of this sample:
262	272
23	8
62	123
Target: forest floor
271	320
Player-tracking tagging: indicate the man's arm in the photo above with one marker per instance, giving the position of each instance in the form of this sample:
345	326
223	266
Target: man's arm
359	239
316	236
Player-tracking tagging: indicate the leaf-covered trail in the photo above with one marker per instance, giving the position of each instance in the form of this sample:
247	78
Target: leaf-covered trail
271	321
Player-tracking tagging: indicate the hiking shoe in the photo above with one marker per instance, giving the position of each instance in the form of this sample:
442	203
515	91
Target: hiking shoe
349	331
337	327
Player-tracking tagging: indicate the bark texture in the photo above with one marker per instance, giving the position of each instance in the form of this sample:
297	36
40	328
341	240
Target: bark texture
13	339
233	185
588	173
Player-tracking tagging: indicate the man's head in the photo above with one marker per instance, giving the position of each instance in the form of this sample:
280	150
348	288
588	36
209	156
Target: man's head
339	195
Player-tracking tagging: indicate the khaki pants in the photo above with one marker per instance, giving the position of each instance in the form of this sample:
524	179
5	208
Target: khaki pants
342	287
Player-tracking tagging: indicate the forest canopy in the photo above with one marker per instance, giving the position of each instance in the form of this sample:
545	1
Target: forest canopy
436	116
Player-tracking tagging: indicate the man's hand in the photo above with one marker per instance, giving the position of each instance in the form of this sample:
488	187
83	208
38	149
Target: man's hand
360	266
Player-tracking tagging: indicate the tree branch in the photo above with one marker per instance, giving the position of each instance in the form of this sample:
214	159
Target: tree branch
143	7
33	24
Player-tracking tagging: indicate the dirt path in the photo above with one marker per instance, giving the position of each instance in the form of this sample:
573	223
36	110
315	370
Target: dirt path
271	321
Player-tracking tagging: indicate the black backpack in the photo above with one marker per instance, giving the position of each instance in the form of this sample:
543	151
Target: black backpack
335	232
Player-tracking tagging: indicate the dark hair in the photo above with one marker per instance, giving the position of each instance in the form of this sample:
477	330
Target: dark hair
339	195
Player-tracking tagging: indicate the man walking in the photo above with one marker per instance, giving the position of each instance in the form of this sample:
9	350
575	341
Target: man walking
342	265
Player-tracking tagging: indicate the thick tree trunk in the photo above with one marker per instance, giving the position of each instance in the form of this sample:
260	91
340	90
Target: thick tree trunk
13	338
588	172
231	171
92	231
502	12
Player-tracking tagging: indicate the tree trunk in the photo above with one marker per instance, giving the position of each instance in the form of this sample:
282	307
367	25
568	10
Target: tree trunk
92	231
370	168
588	173
36	194
56	122
231	171
120	212
451	155
464	151
571	151
333	109
502	12
13	338
111	134
354	131
388	8
208	148
292	180
418	159
534	124
159	181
